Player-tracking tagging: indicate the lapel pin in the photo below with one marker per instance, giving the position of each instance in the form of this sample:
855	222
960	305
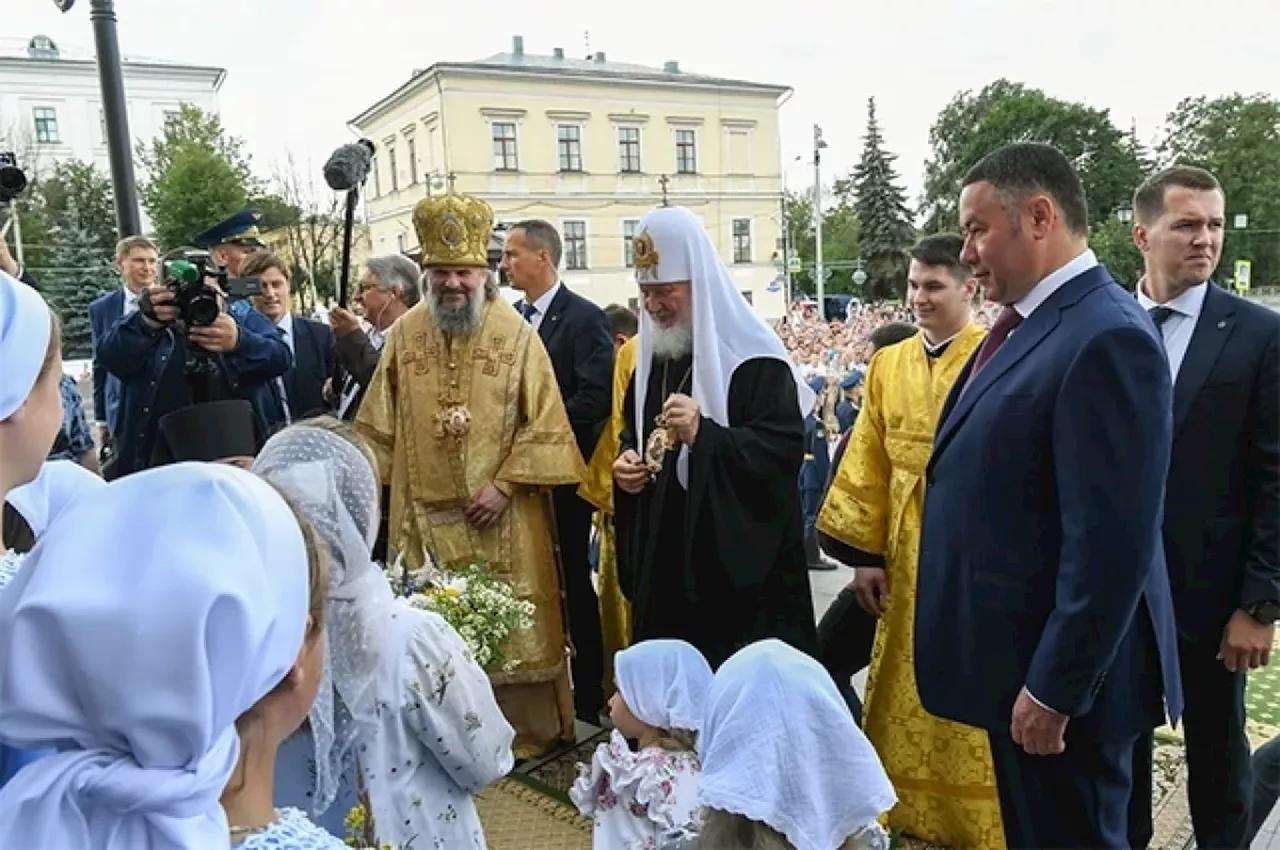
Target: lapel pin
1222	325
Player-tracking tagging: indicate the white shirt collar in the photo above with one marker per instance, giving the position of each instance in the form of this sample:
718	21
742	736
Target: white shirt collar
130	297
1188	304
1027	304
543	304
286	324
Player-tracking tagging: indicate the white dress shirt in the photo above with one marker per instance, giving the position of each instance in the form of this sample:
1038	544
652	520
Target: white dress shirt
542	305
130	301
1027	304
1178	328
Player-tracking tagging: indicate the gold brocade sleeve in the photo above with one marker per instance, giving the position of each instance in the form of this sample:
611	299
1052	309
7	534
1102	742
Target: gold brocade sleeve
598	486
376	418
856	510
543	452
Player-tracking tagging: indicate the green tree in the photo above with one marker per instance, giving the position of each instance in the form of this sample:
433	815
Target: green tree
1112	240
196	175
839	241
973	125
881	207
69	222
1237	137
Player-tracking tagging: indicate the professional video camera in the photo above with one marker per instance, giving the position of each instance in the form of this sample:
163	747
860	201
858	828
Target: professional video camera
188	276
13	181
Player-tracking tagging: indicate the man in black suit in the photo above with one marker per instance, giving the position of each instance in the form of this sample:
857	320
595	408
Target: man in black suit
578	338
1222	500
300	391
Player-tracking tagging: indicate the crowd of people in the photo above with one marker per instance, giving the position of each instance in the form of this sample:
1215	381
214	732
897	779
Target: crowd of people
1061	510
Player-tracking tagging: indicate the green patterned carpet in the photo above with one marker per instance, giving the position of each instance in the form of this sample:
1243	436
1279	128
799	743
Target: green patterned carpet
1262	699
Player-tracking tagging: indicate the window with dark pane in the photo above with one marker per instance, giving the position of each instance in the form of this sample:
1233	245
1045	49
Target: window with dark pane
504	147
569	138
686	152
46	118
742	240
629	149
629	226
575	245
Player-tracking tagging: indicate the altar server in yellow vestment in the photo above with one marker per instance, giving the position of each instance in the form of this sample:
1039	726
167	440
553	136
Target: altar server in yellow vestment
597	488
941	770
465	418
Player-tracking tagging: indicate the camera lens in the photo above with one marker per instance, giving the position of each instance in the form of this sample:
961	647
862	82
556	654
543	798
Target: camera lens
202	310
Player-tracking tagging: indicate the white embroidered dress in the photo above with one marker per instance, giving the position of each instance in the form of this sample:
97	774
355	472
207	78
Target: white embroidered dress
638	801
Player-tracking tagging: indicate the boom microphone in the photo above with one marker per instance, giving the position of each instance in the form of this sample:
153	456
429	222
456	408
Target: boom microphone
349	165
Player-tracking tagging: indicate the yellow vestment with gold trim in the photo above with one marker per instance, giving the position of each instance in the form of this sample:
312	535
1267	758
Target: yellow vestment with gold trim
448	415
597	488
941	770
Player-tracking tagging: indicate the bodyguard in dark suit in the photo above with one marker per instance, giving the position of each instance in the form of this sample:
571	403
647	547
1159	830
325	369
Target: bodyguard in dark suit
1222	502
1042	578
137	260
814	472
579	341
299	391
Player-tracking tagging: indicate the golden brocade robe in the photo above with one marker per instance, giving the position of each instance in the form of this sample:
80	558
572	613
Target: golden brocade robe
597	488
500	392
942	770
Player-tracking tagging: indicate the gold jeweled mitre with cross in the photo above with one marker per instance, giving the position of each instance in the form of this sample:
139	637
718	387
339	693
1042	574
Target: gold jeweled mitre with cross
453	230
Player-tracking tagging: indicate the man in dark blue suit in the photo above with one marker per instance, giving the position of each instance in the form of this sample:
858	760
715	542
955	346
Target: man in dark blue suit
1222	507
300	391
813	476
137	259
579	340
1043	605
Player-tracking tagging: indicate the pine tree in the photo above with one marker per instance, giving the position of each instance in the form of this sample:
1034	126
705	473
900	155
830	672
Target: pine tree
79	272
886	229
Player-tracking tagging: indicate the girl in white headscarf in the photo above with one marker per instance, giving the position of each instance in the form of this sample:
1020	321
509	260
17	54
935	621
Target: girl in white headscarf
30	403
407	704
784	767
648	799
137	670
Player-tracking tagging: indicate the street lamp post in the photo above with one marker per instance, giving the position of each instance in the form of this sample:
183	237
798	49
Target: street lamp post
786	238
115	113
819	271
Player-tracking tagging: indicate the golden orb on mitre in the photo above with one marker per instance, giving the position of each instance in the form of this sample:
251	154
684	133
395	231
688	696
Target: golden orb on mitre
453	230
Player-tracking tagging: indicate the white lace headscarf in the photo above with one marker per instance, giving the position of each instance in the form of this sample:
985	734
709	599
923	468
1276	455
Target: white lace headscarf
132	648
664	683
779	746
335	486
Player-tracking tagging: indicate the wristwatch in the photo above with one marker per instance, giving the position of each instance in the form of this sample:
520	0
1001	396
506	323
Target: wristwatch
1266	612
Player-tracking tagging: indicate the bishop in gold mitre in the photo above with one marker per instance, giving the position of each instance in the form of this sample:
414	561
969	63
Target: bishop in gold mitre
465	418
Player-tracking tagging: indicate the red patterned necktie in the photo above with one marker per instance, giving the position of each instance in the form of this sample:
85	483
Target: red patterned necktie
1004	324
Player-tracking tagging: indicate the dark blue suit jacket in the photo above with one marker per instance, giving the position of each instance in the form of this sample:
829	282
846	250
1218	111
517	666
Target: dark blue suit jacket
817	455
104	312
1041	563
1222	511
312	366
580	344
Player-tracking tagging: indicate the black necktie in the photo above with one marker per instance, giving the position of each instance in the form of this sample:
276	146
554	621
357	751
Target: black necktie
528	311
1160	315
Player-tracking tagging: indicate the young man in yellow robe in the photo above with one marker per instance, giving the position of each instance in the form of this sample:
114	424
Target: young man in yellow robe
597	488
941	770
465	418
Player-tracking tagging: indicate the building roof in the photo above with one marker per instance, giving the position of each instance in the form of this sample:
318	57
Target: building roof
599	67
43	51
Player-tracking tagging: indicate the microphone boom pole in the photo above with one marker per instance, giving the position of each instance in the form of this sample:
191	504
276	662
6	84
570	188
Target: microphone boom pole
348	231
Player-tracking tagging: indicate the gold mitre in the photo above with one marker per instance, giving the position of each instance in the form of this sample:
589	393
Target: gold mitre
453	230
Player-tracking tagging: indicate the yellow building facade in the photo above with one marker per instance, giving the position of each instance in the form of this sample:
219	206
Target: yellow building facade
588	145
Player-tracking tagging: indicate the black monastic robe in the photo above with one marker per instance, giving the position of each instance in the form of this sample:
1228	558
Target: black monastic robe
722	564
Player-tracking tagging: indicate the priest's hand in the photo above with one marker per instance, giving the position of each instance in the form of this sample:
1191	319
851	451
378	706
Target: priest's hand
1040	731
630	472
683	416
487	509
871	585
342	322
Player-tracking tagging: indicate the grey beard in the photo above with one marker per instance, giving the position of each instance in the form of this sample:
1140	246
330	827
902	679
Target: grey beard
456	321
672	343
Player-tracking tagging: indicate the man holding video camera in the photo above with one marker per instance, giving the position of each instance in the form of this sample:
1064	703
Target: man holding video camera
196	362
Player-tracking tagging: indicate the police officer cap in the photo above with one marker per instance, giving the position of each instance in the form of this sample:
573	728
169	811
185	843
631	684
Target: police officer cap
851	380
818	383
239	229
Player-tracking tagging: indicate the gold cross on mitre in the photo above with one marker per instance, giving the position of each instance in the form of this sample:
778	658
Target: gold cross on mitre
451	178
663	181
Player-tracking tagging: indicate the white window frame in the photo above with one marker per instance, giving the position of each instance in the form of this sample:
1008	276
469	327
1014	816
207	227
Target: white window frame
751	240
493	154
35	125
565	125
676	141
622	162
628	246
586	243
